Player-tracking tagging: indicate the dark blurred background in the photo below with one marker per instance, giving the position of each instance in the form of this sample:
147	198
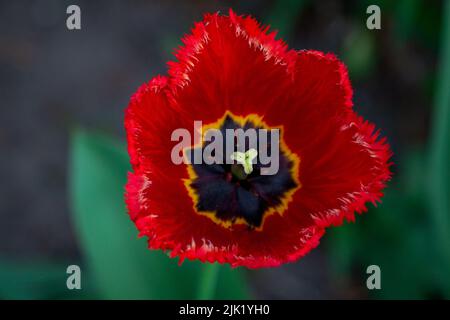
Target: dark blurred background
53	81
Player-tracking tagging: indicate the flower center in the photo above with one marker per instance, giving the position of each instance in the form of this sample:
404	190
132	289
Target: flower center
245	159
236	189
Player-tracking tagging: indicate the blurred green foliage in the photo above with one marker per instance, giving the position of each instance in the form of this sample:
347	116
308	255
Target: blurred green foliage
439	149
399	237
359	51
408	236
411	20
121	265
38	280
116	264
283	16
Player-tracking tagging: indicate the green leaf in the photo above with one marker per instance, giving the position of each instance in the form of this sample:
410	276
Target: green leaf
439	173
120	263
38	280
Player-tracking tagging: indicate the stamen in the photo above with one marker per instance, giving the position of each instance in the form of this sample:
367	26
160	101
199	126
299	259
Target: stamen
245	159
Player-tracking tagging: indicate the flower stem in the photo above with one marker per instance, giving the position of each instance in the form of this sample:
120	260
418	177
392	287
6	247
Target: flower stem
208	281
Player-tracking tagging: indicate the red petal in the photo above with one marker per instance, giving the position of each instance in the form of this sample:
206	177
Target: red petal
149	121
230	63
343	163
